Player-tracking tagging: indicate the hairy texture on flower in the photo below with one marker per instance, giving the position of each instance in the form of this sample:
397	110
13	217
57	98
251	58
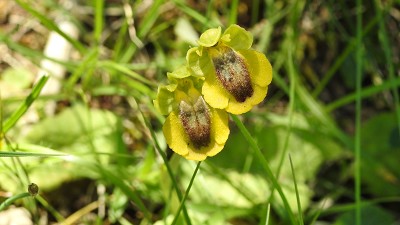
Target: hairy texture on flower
233	74
207	138
236	78
196	122
192	129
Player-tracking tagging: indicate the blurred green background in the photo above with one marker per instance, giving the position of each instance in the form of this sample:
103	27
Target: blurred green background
92	140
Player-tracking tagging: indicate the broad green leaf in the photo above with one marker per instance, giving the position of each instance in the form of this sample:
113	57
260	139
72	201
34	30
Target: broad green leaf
306	147
77	130
370	215
89	135
380	155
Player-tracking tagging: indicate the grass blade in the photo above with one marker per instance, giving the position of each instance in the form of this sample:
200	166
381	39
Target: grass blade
385	42
27	154
186	194
50	25
13	119
233	12
341	58
98	20
264	164
167	164
300	211
357	143
365	92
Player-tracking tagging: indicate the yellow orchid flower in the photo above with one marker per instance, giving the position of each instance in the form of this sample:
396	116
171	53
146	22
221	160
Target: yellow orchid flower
192	129
236	78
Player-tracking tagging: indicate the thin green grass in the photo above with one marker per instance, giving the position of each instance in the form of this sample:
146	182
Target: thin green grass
51	25
167	164
32	54
233	12
27	154
49	208
89	60
204	21
342	57
254	11
264	164
136	49
268	215
357	142
300	211
386	45
182	203
98	20
13	119
342	208
292	97
365	93
130	192
317	213
149	19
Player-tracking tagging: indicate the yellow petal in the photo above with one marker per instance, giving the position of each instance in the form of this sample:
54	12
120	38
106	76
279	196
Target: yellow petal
200	154
259	94
215	149
214	94
175	134
260	68
220	125
196	156
237	108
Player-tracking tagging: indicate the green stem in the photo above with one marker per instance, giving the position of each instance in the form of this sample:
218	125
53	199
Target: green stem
186	194
359	62
264	164
301	222
169	169
12	199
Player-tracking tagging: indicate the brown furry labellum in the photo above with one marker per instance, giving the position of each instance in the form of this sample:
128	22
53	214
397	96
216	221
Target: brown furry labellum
196	122
233	74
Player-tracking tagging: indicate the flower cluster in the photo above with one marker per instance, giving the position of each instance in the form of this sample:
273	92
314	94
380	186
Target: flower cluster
222	75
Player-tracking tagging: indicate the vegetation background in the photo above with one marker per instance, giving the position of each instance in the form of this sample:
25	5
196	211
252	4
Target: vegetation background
329	129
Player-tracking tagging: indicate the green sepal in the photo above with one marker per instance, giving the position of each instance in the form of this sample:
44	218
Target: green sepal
210	37
165	101
237	37
179	73
199	63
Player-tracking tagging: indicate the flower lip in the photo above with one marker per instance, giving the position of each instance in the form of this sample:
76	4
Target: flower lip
196	122
233	74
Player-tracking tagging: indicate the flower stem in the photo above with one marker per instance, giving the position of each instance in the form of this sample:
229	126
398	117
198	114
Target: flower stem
12	199
186	194
265	165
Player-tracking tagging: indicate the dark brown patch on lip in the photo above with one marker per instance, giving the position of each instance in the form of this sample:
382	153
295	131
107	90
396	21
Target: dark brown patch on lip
196	121
233	74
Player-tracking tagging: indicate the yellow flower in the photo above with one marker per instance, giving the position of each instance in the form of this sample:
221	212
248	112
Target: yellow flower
192	129
236	77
